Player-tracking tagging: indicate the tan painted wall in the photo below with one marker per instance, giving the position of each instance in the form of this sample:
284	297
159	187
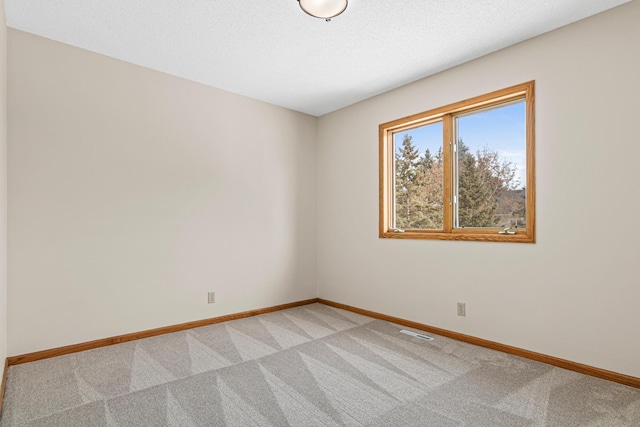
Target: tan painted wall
575	293
3	184
132	193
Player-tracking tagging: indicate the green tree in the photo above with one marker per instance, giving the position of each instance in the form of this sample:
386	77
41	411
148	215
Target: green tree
426	161
407	161
429	194
484	183
406	168
475	207
419	181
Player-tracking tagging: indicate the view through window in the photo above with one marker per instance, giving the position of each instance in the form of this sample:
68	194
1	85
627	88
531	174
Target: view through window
464	171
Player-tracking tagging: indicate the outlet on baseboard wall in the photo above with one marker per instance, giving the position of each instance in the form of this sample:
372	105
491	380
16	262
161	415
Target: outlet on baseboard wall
462	309
211	297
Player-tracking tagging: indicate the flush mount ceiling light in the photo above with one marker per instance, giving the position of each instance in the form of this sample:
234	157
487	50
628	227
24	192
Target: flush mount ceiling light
324	9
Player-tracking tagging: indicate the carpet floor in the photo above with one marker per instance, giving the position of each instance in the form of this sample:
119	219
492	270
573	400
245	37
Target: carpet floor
307	366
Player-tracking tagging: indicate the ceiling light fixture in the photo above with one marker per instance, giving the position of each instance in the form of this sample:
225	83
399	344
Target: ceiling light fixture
323	9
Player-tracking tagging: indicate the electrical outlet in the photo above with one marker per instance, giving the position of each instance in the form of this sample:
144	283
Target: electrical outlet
211	297
462	310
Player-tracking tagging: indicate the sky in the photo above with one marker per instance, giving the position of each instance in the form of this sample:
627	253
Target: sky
501	129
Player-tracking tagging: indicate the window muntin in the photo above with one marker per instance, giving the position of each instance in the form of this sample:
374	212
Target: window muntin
484	152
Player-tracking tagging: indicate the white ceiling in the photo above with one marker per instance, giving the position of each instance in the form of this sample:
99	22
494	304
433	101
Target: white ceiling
271	50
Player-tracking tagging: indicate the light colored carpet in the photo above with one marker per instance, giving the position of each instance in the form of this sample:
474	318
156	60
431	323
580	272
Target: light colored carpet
307	366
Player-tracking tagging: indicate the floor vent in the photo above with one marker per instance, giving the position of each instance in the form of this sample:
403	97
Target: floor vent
417	335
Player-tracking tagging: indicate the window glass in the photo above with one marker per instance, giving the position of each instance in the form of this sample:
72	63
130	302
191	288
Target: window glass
490	167
418	164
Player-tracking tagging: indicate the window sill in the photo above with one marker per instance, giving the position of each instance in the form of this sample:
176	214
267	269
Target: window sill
475	236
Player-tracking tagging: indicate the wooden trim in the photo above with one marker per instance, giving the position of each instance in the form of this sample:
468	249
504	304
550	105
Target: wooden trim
74	348
383	195
469	237
531	162
527	354
4	382
447	184
488	99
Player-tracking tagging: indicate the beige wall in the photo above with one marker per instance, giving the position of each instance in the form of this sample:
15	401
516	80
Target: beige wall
3	184
133	193
575	293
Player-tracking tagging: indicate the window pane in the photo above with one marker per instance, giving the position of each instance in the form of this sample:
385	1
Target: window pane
490	167
418	178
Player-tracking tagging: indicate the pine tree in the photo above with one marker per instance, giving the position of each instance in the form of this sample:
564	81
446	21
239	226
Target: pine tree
429	194
407	161
406	164
419	187
484	182
426	161
439	157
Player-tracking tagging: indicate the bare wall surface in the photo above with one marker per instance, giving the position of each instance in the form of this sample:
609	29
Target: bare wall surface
3	185
574	293
132	193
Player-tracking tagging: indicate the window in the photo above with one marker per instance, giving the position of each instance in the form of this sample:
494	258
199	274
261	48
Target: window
461	172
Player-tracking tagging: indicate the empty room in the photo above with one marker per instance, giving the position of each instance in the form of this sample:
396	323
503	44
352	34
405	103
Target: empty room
319	213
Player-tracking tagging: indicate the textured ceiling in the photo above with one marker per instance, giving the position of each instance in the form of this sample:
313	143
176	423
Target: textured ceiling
271	50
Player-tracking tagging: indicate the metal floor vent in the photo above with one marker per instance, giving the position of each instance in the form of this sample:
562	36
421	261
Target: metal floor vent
417	335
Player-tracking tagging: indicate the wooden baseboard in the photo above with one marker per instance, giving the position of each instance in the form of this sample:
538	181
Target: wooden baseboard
550	360
74	348
4	382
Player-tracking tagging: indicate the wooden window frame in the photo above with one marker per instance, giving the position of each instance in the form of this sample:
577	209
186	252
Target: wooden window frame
445	114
